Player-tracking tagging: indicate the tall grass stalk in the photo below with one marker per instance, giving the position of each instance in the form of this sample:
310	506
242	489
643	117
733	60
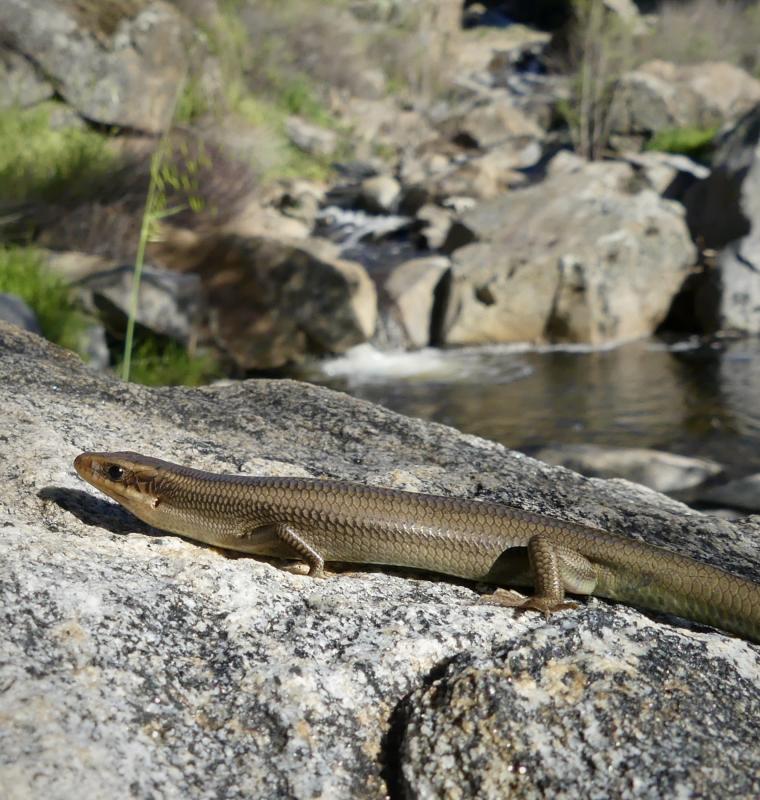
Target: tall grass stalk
146	227
153	212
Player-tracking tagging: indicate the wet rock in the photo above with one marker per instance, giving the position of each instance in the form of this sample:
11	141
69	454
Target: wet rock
742	494
16	312
312	139
660	95
117	65
659	470
573	259
350	228
137	659
724	215
410	289
169	304
21	83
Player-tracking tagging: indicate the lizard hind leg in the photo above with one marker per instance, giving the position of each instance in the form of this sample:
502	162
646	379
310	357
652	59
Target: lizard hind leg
296	542
556	569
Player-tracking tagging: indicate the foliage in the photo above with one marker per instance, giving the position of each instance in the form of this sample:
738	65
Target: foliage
40	162
276	156
22	273
165	178
158	362
693	142
193	103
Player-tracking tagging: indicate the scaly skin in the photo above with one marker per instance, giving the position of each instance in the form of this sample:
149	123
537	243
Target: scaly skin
326	520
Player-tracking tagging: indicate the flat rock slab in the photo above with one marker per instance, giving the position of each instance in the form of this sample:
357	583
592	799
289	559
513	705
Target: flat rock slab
137	664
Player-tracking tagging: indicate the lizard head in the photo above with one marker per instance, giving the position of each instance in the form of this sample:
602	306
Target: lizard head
129	478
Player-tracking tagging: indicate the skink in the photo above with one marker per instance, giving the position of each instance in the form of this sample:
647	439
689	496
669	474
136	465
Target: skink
327	520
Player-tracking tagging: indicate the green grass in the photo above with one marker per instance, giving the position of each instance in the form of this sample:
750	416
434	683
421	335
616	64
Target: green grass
693	142
158	362
279	158
41	163
193	103
23	273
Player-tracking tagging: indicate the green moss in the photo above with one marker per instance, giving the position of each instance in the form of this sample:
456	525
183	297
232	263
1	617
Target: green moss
693	142
37	162
159	362
22	273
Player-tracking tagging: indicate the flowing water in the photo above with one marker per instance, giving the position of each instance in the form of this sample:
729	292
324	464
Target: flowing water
691	397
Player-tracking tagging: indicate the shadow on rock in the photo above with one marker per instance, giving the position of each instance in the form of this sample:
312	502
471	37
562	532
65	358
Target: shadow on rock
96	512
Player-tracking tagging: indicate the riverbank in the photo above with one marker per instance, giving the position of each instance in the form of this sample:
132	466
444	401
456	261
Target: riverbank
508	186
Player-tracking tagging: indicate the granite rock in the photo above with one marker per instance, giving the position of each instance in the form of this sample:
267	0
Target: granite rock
117	63
139	664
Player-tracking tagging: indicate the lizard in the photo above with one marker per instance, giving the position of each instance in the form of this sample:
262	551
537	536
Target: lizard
322	520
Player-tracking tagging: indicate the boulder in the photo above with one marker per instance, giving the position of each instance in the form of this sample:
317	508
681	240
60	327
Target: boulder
383	126
742	494
255	218
659	95
16	312
379	194
272	302
489	121
573	259
169	303
136	663
312	139
21	83
434	224
671	175
724	215
118	63
659	470
410	291
486	176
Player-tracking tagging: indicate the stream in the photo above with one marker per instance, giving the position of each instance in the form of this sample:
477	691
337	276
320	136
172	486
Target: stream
692	396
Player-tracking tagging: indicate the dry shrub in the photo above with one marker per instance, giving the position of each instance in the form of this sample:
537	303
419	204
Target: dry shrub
199	181
600	48
290	39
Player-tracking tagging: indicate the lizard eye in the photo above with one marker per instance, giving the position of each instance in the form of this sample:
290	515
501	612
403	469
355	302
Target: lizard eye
115	473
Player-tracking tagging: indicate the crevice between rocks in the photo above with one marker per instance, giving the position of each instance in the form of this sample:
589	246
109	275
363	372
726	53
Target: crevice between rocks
393	739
